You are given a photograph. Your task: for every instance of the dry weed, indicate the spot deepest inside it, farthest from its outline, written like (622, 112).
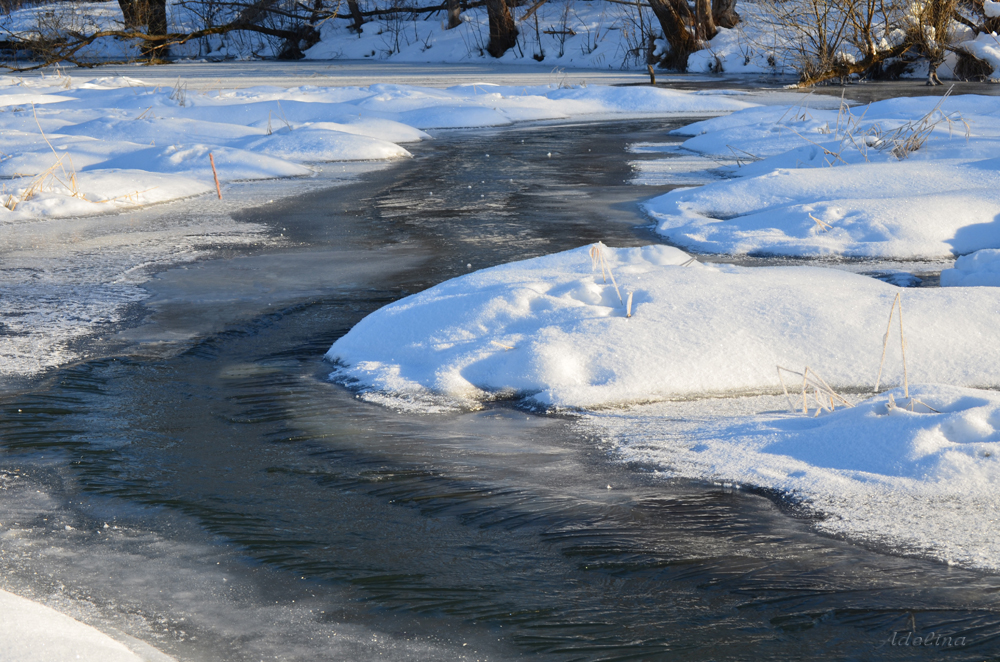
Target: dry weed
(597, 258)
(813, 386)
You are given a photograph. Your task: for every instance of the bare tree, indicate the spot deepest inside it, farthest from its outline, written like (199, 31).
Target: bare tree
(454, 14)
(687, 29)
(503, 30)
(931, 33)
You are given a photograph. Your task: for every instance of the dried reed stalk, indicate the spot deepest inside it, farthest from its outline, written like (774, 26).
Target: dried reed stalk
(823, 225)
(218, 189)
(597, 257)
(898, 301)
(816, 386)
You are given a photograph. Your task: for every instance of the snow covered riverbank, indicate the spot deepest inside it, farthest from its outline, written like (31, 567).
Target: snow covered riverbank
(111, 147)
(31, 632)
(900, 179)
(75, 149)
(560, 331)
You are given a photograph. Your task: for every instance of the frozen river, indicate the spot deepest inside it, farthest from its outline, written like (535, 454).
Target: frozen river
(193, 481)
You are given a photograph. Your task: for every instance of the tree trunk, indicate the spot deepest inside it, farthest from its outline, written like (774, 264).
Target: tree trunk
(503, 31)
(131, 14)
(359, 20)
(157, 18)
(454, 14)
(704, 23)
(675, 17)
(724, 13)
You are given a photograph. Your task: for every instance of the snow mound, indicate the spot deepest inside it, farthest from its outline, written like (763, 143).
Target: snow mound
(118, 125)
(551, 329)
(31, 632)
(822, 182)
(979, 268)
(920, 482)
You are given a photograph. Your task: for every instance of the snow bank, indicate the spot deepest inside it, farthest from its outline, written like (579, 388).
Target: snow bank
(914, 482)
(551, 329)
(979, 268)
(31, 632)
(114, 143)
(821, 182)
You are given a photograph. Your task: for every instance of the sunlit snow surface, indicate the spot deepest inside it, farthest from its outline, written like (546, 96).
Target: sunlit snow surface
(552, 331)
(900, 179)
(917, 482)
(32, 632)
(111, 147)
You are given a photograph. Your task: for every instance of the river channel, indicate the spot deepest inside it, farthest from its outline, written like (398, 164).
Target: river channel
(201, 486)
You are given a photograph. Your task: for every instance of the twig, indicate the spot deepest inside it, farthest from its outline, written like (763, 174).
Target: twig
(822, 224)
(597, 257)
(218, 189)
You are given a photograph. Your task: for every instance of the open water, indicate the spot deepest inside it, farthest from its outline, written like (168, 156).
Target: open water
(202, 487)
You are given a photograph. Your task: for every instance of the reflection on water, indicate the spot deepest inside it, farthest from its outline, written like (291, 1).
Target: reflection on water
(255, 510)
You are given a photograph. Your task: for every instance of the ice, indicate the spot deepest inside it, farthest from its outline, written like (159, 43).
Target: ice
(915, 482)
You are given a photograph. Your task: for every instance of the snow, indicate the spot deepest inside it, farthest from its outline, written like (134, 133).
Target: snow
(979, 268)
(917, 483)
(568, 36)
(107, 144)
(840, 183)
(552, 330)
(32, 632)
(689, 386)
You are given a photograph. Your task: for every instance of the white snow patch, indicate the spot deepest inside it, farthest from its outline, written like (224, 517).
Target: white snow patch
(830, 183)
(31, 632)
(913, 482)
(551, 328)
(979, 268)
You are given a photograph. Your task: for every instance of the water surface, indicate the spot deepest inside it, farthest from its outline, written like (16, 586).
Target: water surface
(254, 510)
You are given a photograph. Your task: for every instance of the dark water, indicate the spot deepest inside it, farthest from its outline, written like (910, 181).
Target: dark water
(257, 511)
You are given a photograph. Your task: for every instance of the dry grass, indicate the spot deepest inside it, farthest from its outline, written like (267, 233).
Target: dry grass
(597, 258)
(813, 387)
(179, 93)
(823, 225)
(896, 303)
(913, 135)
(815, 390)
(855, 134)
(50, 177)
(910, 404)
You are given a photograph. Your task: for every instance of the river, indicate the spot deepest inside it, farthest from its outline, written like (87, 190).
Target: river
(199, 485)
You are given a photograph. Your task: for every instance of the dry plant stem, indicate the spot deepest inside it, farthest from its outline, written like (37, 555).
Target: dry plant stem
(218, 189)
(628, 306)
(811, 380)
(70, 176)
(902, 347)
(825, 227)
(788, 397)
(597, 257)
(898, 301)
